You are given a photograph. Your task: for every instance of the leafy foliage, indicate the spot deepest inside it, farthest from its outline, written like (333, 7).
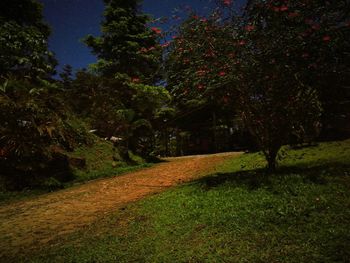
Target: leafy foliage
(126, 45)
(119, 107)
(35, 124)
(33, 121)
(23, 40)
(122, 102)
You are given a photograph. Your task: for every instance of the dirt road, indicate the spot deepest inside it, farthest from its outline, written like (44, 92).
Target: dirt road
(35, 222)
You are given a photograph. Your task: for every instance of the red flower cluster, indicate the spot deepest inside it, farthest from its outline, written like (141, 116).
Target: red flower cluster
(316, 26)
(282, 8)
(166, 44)
(227, 2)
(156, 30)
(249, 28)
(242, 42)
(200, 87)
(135, 80)
(210, 54)
(202, 72)
(326, 38)
(293, 14)
(145, 50)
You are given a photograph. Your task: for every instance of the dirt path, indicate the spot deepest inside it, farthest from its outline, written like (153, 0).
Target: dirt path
(37, 221)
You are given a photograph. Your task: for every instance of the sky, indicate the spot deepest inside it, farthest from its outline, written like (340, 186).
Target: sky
(72, 20)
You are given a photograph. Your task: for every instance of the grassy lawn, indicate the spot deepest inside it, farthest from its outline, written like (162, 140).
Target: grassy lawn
(300, 214)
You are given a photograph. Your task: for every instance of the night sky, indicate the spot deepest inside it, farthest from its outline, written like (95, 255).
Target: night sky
(71, 20)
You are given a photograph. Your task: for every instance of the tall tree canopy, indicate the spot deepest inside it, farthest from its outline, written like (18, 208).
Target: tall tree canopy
(23, 39)
(126, 45)
(124, 102)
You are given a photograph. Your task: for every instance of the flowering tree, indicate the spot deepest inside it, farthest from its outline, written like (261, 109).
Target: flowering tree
(287, 47)
(270, 61)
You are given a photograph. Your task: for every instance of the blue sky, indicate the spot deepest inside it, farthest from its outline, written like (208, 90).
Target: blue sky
(71, 20)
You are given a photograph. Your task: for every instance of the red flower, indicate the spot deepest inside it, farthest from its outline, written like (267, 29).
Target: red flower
(250, 28)
(280, 9)
(309, 21)
(225, 99)
(222, 73)
(283, 8)
(156, 30)
(135, 79)
(201, 72)
(166, 44)
(316, 27)
(143, 50)
(242, 42)
(227, 2)
(210, 54)
(293, 14)
(2, 153)
(326, 38)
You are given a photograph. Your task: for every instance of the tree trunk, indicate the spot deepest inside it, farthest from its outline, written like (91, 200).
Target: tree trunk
(214, 133)
(271, 160)
(271, 165)
(178, 143)
(166, 137)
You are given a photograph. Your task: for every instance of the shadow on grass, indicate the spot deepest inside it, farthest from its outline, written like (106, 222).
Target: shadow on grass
(256, 178)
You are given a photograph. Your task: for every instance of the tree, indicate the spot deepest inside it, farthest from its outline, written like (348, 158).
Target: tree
(272, 61)
(127, 45)
(120, 107)
(196, 69)
(23, 40)
(34, 121)
(124, 103)
(66, 75)
(286, 48)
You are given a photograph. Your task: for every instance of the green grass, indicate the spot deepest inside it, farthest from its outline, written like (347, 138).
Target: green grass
(100, 163)
(299, 214)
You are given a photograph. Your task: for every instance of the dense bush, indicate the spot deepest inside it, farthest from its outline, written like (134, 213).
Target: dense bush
(32, 124)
